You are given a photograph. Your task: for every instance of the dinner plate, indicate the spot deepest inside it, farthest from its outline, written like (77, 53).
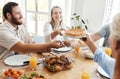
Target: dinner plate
(87, 52)
(16, 60)
(102, 72)
(63, 49)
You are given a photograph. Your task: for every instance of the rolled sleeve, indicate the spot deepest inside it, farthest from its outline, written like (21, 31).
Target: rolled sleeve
(105, 61)
(7, 39)
(103, 31)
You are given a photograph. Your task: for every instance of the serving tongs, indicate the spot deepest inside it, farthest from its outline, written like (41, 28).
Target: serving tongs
(53, 54)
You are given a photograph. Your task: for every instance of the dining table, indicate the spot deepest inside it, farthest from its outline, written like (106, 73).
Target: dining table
(79, 64)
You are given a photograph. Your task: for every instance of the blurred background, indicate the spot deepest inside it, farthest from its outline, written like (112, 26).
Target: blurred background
(37, 12)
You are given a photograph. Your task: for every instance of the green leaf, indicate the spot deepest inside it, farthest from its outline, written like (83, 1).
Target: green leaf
(77, 17)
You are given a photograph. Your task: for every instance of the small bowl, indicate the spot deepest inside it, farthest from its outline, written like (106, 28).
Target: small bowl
(11, 73)
(34, 74)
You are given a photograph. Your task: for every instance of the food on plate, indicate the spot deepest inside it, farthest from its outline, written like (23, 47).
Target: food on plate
(56, 63)
(12, 73)
(33, 75)
(75, 32)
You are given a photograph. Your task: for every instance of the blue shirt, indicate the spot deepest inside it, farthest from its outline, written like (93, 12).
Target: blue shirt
(105, 61)
(105, 32)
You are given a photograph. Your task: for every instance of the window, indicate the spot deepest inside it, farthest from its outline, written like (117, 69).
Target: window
(37, 12)
(107, 13)
(1, 6)
(112, 7)
(37, 15)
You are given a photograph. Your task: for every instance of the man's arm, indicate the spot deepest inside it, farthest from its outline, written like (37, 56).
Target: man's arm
(90, 43)
(101, 33)
(95, 36)
(27, 48)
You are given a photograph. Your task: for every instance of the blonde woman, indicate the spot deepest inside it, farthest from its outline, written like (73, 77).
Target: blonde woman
(53, 28)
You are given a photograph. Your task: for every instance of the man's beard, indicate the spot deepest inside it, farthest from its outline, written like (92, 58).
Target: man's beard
(15, 21)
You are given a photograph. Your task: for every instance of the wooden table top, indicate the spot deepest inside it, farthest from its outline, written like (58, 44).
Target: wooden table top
(81, 64)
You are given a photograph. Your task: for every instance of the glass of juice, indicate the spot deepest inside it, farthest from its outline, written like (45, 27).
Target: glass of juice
(77, 48)
(108, 51)
(33, 62)
(85, 75)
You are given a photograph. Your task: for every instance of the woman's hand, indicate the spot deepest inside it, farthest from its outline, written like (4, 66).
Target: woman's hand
(67, 43)
(59, 31)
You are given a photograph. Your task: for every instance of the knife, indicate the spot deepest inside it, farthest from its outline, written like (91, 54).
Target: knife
(39, 61)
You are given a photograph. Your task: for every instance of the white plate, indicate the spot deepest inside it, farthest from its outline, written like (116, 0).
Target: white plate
(16, 60)
(63, 49)
(102, 72)
(87, 52)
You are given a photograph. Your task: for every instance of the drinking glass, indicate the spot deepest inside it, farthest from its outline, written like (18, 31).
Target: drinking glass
(85, 75)
(33, 62)
(108, 51)
(77, 48)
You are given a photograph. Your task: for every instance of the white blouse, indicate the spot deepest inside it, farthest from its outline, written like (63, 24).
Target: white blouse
(48, 30)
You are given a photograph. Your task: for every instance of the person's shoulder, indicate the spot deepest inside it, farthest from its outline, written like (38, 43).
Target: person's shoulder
(47, 24)
(2, 26)
(107, 25)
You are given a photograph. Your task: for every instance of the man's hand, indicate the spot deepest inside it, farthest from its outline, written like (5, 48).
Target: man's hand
(89, 42)
(86, 39)
(56, 44)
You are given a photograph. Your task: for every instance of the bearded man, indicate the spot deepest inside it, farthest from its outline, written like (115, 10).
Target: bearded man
(14, 36)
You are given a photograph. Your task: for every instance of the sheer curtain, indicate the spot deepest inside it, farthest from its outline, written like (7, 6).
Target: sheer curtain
(112, 7)
(108, 10)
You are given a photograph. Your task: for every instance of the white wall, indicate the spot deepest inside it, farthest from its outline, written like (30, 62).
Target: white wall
(93, 10)
(77, 6)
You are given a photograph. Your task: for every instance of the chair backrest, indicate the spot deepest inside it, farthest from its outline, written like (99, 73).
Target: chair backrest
(39, 39)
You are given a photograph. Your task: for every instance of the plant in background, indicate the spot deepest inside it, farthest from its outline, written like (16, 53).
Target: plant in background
(78, 22)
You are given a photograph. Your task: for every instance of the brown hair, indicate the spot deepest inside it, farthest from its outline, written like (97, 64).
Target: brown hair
(52, 21)
(8, 8)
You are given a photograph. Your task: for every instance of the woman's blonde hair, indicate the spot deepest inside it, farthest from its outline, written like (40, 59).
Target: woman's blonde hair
(115, 27)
